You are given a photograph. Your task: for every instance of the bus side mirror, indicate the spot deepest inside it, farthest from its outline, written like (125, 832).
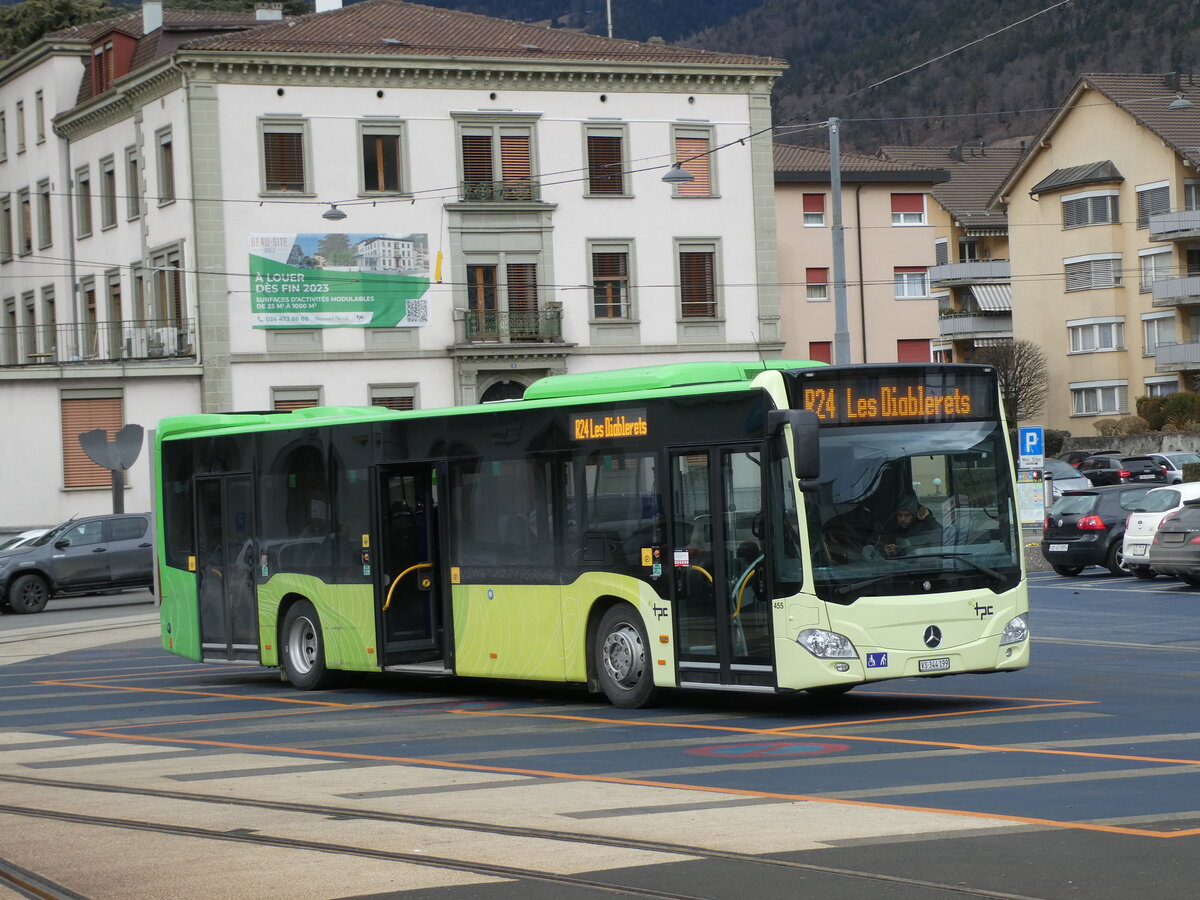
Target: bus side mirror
(806, 454)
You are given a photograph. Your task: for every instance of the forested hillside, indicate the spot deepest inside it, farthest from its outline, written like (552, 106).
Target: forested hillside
(1000, 87)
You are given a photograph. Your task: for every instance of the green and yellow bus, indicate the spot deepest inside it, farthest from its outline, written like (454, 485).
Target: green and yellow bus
(720, 526)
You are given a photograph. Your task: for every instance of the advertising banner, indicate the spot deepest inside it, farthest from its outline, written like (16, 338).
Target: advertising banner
(339, 280)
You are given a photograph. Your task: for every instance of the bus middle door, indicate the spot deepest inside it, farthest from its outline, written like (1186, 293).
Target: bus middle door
(412, 625)
(721, 610)
(225, 558)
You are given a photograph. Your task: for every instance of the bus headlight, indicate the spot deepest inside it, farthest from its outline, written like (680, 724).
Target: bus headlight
(1015, 631)
(826, 644)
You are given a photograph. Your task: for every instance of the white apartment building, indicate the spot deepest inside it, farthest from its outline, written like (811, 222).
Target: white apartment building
(182, 195)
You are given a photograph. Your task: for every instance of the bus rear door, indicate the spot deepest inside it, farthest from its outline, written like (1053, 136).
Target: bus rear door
(410, 606)
(722, 614)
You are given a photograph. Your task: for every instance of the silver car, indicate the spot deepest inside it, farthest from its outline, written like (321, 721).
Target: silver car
(1174, 463)
(1065, 477)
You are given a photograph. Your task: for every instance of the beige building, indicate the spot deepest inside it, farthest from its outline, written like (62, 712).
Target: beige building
(1104, 229)
(971, 273)
(889, 221)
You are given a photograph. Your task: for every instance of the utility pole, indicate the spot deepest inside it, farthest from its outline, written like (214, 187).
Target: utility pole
(841, 334)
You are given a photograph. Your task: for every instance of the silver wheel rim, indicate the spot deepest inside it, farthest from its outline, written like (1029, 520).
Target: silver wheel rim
(624, 656)
(303, 645)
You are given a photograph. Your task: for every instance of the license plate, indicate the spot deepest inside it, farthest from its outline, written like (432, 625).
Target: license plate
(941, 664)
(1138, 550)
(1058, 548)
(1147, 477)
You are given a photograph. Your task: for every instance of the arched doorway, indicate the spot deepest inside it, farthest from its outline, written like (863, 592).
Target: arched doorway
(503, 390)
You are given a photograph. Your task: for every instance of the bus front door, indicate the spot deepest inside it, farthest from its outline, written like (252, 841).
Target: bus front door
(225, 568)
(410, 606)
(722, 613)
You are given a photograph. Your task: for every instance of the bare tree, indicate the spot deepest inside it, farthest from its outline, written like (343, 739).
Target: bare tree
(1021, 368)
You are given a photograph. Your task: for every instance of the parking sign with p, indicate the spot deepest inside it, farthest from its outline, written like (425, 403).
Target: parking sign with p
(1030, 447)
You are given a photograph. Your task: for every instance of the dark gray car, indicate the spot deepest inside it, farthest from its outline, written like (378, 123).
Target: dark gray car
(85, 555)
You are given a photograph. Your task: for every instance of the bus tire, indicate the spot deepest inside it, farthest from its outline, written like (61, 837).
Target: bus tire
(623, 658)
(28, 594)
(302, 647)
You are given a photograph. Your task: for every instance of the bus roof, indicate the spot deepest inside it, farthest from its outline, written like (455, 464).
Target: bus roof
(668, 379)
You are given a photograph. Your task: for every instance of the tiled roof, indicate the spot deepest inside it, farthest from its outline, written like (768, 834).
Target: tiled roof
(793, 163)
(975, 174)
(173, 20)
(397, 28)
(1147, 98)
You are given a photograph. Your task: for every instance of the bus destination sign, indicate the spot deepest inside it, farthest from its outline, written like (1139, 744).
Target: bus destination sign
(597, 426)
(849, 398)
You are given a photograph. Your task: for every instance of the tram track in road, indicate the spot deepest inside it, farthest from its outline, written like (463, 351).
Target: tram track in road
(30, 884)
(494, 870)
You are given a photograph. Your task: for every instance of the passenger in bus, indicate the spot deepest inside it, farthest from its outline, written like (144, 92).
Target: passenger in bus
(912, 525)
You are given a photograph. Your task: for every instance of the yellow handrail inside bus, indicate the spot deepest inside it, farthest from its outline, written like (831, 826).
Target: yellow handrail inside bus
(703, 572)
(396, 581)
(745, 584)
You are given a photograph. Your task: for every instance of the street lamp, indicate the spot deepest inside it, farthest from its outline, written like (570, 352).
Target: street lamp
(678, 175)
(333, 214)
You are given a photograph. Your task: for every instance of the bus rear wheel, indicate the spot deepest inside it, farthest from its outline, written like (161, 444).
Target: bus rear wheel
(622, 658)
(302, 646)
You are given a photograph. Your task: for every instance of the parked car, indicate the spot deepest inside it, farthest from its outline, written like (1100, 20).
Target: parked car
(1075, 457)
(1143, 522)
(1064, 477)
(1173, 463)
(1176, 547)
(81, 556)
(1086, 528)
(1101, 470)
(23, 538)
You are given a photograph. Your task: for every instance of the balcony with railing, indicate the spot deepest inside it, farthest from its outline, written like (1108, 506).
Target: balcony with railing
(1176, 225)
(499, 191)
(1177, 357)
(962, 325)
(1179, 290)
(96, 342)
(536, 326)
(973, 271)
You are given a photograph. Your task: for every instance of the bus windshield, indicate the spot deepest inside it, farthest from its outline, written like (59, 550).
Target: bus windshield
(913, 509)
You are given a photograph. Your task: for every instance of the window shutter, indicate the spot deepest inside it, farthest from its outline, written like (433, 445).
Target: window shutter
(604, 164)
(1151, 203)
(26, 227)
(477, 158)
(522, 287)
(814, 203)
(283, 156)
(908, 203)
(393, 402)
(516, 168)
(816, 276)
(941, 252)
(610, 276)
(1079, 276)
(692, 155)
(78, 416)
(1074, 213)
(820, 351)
(912, 350)
(697, 288)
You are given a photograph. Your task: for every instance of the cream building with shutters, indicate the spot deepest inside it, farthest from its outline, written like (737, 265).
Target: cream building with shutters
(384, 204)
(1104, 231)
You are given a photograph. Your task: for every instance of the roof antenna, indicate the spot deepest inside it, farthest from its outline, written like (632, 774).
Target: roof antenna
(757, 346)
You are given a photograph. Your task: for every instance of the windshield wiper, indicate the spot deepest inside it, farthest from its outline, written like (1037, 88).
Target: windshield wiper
(844, 589)
(986, 570)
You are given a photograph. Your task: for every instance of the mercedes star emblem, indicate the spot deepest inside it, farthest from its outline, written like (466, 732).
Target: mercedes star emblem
(933, 636)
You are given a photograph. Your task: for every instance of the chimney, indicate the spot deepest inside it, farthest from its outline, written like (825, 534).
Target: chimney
(328, 5)
(152, 16)
(268, 12)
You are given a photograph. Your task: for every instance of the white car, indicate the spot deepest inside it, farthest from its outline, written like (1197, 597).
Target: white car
(20, 540)
(1174, 463)
(1143, 523)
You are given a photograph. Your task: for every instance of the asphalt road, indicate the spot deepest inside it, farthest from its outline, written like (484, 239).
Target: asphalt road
(127, 773)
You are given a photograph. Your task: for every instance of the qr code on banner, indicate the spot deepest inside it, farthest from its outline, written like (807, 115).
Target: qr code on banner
(418, 312)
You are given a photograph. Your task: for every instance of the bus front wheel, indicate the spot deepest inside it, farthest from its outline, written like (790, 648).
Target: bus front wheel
(622, 658)
(303, 648)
